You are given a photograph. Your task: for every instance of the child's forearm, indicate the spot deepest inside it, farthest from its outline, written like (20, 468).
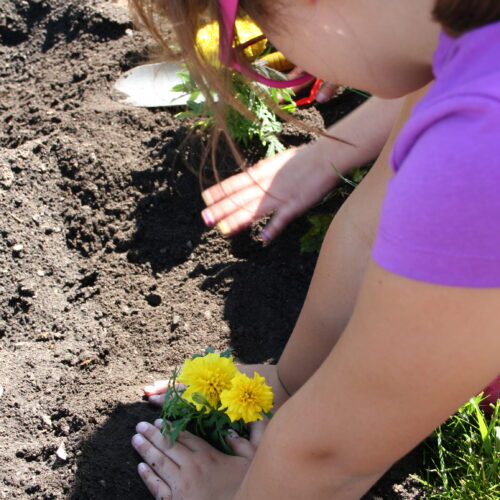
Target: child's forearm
(384, 387)
(347, 245)
(367, 128)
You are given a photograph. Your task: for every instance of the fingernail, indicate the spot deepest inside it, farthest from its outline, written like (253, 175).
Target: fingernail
(155, 398)
(232, 434)
(149, 388)
(265, 236)
(206, 198)
(207, 218)
(137, 440)
(224, 228)
(141, 427)
(142, 467)
(158, 422)
(321, 97)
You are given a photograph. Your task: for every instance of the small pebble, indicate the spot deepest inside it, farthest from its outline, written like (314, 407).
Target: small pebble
(26, 289)
(61, 452)
(46, 420)
(18, 248)
(6, 177)
(176, 319)
(1, 390)
(40, 272)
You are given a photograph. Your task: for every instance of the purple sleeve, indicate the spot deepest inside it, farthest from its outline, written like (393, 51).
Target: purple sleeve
(440, 221)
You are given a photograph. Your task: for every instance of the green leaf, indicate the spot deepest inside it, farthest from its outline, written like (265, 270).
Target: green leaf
(483, 427)
(180, 87)
(200, 399)
(185, 114)
(345, 179)
(312, 240)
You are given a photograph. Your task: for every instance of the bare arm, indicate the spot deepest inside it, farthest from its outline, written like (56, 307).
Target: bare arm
(367, 128)
(410, 356)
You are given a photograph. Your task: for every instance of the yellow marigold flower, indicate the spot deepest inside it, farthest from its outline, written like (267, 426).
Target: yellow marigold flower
(207, 39)
(247, 398)
(207, 375)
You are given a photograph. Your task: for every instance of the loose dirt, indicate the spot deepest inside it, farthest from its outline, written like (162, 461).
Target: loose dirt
(108, 276)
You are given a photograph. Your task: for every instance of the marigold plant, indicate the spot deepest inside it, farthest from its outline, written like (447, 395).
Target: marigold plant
(208, 376)
(247, 398)
(214, 397)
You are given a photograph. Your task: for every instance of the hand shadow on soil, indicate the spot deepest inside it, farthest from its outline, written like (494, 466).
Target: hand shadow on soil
(263, 291)
(107, 466)
(168, 225)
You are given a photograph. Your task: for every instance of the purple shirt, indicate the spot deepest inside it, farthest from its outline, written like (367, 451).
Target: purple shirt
(440, 221)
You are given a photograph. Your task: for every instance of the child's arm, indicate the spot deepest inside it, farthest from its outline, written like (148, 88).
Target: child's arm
(412, 354)
(293, 181)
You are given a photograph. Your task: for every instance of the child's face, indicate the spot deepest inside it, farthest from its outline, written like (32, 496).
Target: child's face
(384, 47)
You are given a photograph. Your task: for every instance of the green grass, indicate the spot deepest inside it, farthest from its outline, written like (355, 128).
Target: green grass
(464, 461)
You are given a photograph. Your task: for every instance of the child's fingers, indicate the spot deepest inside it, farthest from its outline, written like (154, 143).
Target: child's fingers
(257, 431)
(326, 92)
(156, 449)
(228, 187)
(157, 399)
(239, 220)
(156, 486)
(279, 221)
(240, 446)
(156, 392)
(243, 217)
(252, 199)
(158, 387)
(187, 439)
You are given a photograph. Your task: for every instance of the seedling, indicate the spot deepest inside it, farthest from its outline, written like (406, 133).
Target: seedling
(265, 128)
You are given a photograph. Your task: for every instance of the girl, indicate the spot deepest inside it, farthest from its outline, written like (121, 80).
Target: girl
(398, 328)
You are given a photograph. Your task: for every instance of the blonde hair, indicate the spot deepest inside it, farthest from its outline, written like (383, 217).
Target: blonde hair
(183, 19)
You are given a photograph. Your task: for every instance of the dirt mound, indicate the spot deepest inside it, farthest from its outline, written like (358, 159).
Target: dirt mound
(109, 277)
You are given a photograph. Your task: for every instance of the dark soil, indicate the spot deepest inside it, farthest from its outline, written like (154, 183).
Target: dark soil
(108, 276)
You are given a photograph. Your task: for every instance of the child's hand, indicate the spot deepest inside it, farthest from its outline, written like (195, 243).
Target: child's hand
(288, 183)
(191, 468)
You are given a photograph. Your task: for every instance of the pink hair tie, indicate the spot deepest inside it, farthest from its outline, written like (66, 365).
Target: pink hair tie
(229, 12)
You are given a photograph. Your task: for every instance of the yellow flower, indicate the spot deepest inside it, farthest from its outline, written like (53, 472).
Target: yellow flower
(207, 375)
(247, 398)
(207, 40)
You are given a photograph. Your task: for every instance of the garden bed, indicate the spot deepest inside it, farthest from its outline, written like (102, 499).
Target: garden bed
(108, 276)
